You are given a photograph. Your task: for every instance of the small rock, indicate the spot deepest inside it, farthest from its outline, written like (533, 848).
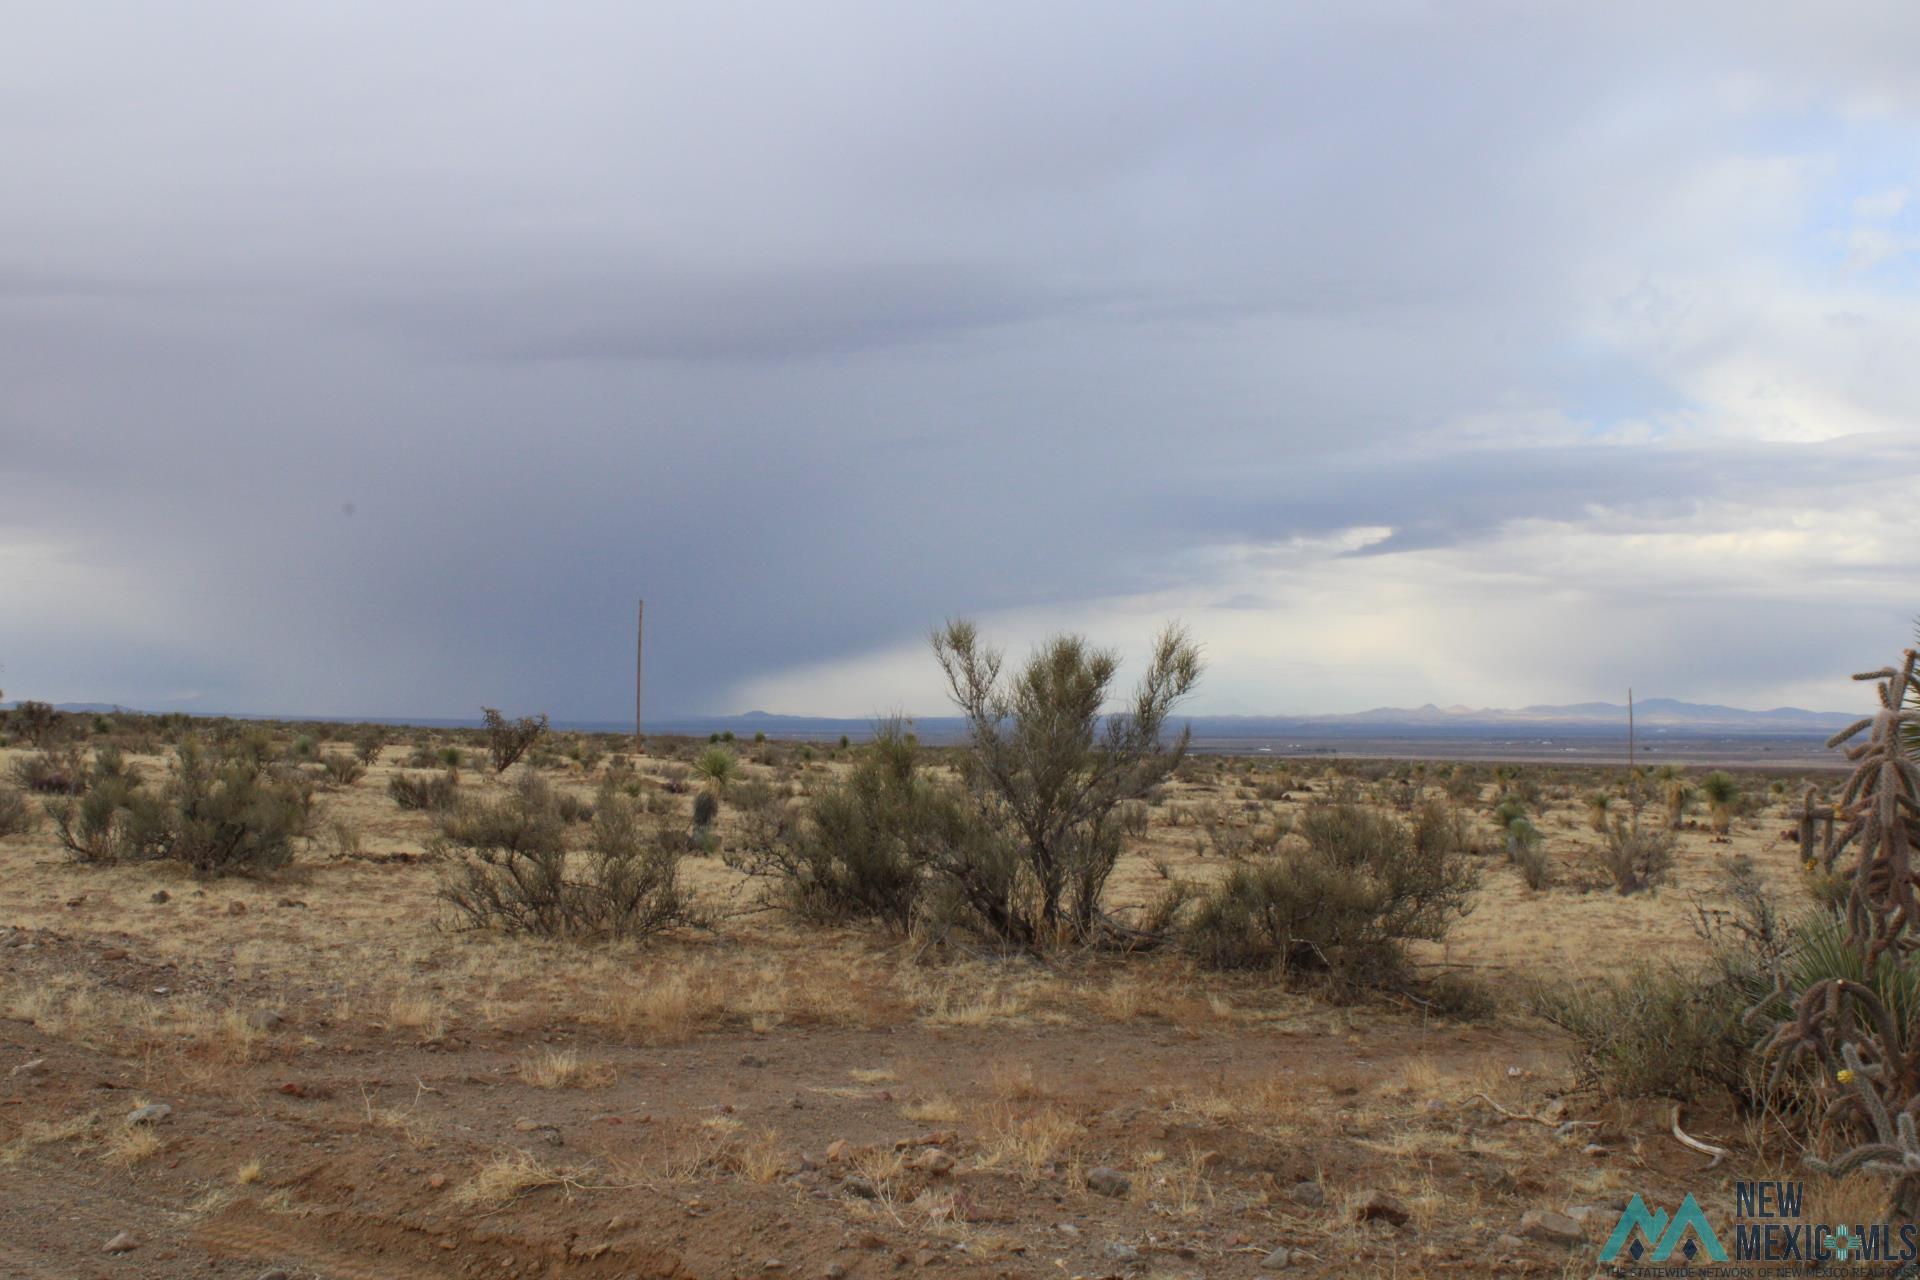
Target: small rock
(838, 1150)
(266, 1019)
(1120, 1252)
(773, 1264)
(437, 1181)
(1594, 1149)
(1310, 1194)
(122, 1243)
(1550, 1227)
(1511, 1243)
(934, 1161)
(1585, 1213)
(861, 1187)
(1378, 1206)
(236, 908)
(278, 1273)
(30, 1068)
(748, 1060)
(1279, 1260)
(160, 895)
(1108, 1182)
(1067, 1229)
(152, 1113)
(835, 1270)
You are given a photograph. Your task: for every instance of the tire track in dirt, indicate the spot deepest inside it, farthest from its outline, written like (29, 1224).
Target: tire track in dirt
(244, 1232)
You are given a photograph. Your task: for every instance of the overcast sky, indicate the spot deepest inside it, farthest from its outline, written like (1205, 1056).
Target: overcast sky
(372, 358)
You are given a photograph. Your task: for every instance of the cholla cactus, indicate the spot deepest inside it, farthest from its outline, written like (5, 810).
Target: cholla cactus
(1880, 810)
(1816, 831)
(1897, 1153)
(1866, 1053)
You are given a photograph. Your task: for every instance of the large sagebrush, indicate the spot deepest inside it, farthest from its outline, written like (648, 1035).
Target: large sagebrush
(864, 847)
(218, 812)
(1346, 900)
(516, 868)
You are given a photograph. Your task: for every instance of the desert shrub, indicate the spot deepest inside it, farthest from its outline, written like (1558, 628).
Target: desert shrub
(50, 773)
(516, 872)
(1636, 857)
(219, 814)
(304, 747)
(1658, 1030)
(36, 722)
(508, 740)
(863, 848)
(1046, 771)
(1459, 996)
(450, 756)
(1364, 884)
(572, 808)
(228, 816)
(368, 745)
(433, 792)
(706, 807)
(1222, 837)
(341, 769)
(18, 817)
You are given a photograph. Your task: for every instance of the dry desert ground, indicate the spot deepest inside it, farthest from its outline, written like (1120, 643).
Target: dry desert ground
(354, 1089)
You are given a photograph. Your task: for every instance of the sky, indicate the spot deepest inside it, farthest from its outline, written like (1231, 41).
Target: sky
(362, 358)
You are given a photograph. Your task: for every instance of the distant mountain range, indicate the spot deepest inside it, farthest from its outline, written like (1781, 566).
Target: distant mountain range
(1653, 717)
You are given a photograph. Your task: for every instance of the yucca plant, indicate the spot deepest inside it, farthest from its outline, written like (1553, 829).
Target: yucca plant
(1679, 794)
(1599, 810)
(718, 766)
(1722, 793)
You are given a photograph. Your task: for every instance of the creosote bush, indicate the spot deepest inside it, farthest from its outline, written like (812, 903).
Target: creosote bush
(517, 869)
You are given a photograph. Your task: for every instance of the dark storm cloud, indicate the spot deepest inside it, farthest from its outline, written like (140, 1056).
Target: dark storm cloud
(817, 323)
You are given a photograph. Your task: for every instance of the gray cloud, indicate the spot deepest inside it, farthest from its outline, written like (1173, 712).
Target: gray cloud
(817, 323)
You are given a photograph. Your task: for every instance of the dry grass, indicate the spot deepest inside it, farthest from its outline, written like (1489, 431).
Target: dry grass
(937, 1109)
(128, 1145)
(505, 1178)
(419, 1012)
(564, 1069)
(1029, 1143)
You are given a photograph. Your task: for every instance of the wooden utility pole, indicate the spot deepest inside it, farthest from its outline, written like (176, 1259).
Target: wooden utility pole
(639, 672)
(1632, 780)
